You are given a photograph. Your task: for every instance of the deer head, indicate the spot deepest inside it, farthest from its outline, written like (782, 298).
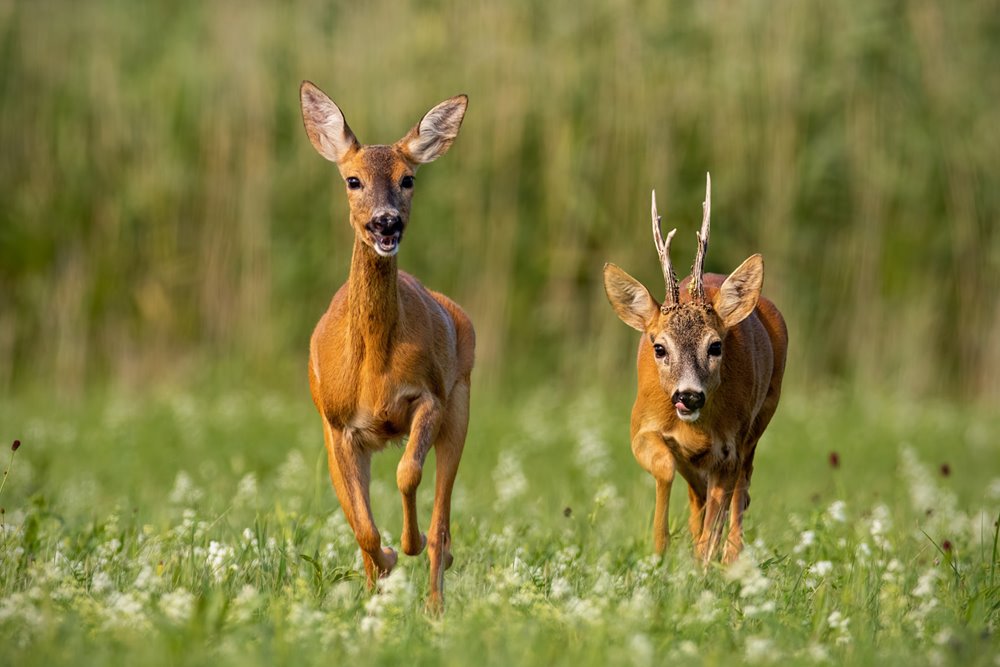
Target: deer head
(687, 338)
(379, 178)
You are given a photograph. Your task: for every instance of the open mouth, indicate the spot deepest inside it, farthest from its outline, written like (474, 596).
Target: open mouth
(685, 414)
(386, 245)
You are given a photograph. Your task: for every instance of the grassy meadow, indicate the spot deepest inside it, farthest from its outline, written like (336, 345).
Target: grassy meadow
(168, 238)
(199, 527)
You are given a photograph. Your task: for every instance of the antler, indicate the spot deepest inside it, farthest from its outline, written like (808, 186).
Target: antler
(663, 250)
(698, 270)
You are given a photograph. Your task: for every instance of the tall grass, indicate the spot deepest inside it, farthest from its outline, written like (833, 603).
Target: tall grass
(161, 204)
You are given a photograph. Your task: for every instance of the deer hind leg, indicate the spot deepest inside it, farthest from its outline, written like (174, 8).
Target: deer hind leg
(448, 454)
(424, 429)
(350, 472)
(716, 507)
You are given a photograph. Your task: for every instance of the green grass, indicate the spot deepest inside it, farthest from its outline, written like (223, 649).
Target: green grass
(197, 526)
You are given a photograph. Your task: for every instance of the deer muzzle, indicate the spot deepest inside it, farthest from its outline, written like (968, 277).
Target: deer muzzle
(386, 232)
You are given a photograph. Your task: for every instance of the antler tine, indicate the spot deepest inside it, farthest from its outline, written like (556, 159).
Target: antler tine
(698, 270)
(663, 250)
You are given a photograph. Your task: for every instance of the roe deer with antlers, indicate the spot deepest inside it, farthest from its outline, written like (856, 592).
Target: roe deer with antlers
(711, 359)
(389, 358)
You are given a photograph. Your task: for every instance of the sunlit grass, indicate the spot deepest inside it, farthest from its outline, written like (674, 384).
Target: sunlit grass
(200, 528)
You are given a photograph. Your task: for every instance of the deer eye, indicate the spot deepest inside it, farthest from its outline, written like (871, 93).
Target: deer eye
(715, 349)
(659, 351)
(407, 182)
(353, 183)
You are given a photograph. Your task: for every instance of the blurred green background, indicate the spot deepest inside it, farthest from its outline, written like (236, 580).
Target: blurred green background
(162, 212)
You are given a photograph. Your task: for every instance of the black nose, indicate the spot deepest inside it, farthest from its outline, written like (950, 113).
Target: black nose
(385, 224)
(692, 400)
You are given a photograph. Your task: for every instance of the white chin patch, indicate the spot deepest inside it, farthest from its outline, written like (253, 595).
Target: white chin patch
(688, 416)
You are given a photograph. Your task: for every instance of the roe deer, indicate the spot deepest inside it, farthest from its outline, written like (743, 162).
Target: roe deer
(389, 358)
(710, 364)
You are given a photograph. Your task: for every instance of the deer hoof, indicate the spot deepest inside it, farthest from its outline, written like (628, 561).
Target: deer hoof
(414, 548)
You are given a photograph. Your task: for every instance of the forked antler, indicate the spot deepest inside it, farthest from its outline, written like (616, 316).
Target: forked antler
(663, 250)
(698, 270)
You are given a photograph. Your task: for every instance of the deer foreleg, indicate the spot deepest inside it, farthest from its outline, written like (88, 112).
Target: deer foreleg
(350, 471)
(652, 454)
(425, 423)
(740, 502)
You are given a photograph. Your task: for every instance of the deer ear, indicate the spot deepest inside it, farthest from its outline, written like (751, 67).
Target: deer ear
(433, 135)
(631, 301)
(325, 124)
(738, 295)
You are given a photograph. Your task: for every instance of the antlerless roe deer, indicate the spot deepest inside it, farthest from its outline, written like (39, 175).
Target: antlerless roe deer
(389, 358)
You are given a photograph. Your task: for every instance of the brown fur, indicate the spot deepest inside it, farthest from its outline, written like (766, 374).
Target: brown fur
(715, 453)
(389, 358)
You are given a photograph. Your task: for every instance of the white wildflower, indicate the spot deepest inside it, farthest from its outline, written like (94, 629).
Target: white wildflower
(100, 582)
(146, 580)
(125, 611)
(688, 648)
(640, 649)
(821, 568)
(607, 496)
(879, 526)
(185, 491)
(755, 610)
(218, 557)
(943, 637)
(584, 610)
(177, 605)
(245, 603)
(246, 491)
(706, 607)
(591, 454)
(836, 512)
(839, 624)
(817, 652)
(806, 540)
(509, 479)
(752, 580)
(759, 649)
(926, 584)
(560, 588)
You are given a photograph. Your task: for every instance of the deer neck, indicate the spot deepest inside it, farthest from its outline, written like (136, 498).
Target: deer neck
(373, 302)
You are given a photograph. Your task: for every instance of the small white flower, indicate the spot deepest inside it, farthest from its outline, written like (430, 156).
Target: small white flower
(806, 540)
(246, 491)
(560, 588)
(184, 492)
(706, 607)
(688, 648)
(509, 479)
(177, 605)
(839, 624)
(755, 610)
(836, 512)
(821, 568)
(759, 649)
(926, 584)
(100, 582)
(641, 649)
(752, 580)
